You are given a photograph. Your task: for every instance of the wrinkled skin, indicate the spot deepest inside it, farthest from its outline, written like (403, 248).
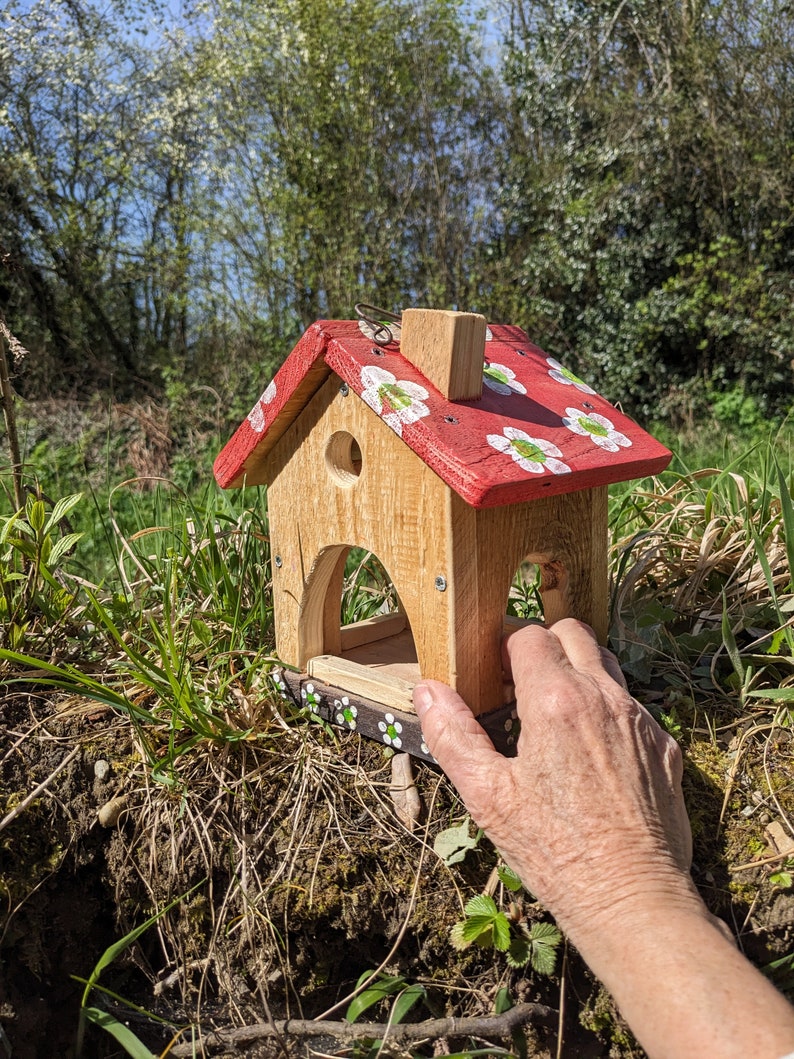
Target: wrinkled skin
(591, 817)
(592, 804)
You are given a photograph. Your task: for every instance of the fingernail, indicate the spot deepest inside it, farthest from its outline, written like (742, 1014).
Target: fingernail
(423, 700)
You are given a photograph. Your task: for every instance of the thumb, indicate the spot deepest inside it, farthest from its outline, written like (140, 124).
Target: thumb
(455, 738)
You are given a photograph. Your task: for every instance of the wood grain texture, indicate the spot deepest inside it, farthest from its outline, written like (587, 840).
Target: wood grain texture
(370, 630)
(448, 348)
(358, 679)
(386, 509)
(566, 536)
(457, 629)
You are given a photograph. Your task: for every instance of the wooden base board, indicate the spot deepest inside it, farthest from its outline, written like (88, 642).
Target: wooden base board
(385, 724)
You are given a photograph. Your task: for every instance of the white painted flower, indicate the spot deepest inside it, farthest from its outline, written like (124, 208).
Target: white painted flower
(391, 731)
(502, 379)
(426, 750)
(280, 684)
(256, 417)
(311, 698)
(597, 427)
(345, 713)
(533, 455)
(396, 402)
(566, 377)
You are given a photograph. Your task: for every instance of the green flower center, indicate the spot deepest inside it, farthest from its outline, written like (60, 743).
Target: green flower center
(528, 451)
(347, 713)
(394, 396)
(498, 376)
(569, 375)
(594, 428)
(391, 731)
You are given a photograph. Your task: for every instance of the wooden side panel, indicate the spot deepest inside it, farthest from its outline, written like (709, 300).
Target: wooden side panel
(388, 502)
(448, 348)
(565, 535)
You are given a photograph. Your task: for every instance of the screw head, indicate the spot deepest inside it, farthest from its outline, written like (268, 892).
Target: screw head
(344, 389)
(441, 583)
(278, 561)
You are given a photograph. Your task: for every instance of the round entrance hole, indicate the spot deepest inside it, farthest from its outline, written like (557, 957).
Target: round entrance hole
(343, 458)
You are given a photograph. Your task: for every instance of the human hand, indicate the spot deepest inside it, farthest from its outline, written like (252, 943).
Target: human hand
(590, 812)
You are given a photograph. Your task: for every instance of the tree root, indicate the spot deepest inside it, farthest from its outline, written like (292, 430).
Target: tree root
(485, 1026)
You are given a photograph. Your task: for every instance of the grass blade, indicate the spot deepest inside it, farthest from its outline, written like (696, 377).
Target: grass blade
(131, 1044)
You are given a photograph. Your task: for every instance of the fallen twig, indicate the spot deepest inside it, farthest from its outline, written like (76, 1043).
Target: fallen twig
(37, 790)
(485, 1026)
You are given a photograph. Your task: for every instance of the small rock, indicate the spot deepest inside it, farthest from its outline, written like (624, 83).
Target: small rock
(748, 810)
(404, 794)
(101, 769)
(780, 838)
(110, 812)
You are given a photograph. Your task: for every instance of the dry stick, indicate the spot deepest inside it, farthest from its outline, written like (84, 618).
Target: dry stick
(760, 863)
(11, 424)
(37, 790)
(563, 987)
(479, 1026)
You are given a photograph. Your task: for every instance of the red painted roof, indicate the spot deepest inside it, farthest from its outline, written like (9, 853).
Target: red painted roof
(536, 431)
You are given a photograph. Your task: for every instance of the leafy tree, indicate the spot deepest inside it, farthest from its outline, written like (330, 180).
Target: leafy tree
(653, 139)
(99, 139)
(359, 167)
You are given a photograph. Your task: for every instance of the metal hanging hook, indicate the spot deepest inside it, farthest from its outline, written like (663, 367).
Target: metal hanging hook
(381, 332)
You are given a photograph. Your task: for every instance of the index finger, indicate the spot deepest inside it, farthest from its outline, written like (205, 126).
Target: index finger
(532, 653)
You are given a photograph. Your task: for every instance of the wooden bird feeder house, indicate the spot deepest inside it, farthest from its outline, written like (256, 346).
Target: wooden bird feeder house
(454, 453)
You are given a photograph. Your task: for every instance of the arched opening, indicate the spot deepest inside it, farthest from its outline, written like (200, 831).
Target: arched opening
(524, 599)
(374, 628)
(355, 632)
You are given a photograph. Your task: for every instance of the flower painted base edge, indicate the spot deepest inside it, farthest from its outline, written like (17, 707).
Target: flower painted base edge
(385, 724)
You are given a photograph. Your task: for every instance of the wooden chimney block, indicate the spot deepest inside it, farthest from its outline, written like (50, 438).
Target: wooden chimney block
(448, 348)
(453, 454)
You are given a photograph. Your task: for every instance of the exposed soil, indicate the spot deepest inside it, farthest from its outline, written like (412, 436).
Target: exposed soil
(299, 877)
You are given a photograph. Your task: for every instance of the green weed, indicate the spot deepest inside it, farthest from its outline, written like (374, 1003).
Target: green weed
(36, 601)
(181, 642)
(131, 1044)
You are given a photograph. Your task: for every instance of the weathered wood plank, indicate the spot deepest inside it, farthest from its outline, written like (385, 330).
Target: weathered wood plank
(358, 633)
(375, 684)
